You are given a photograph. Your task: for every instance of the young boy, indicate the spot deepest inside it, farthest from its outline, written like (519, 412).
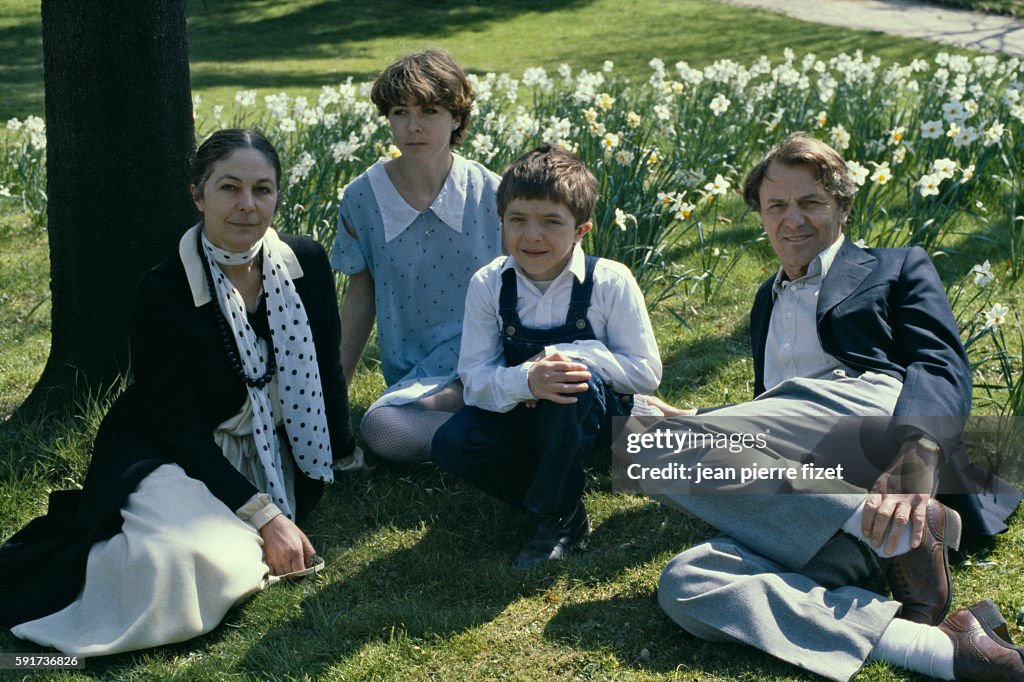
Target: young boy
(554, 344)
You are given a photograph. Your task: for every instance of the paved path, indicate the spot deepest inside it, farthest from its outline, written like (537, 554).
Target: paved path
(909, 19)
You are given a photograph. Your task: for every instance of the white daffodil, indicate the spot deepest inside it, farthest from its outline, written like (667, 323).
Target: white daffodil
(882, 174)
(301, 169)
(983, 274)
(622, 219)
(944, 168)
(931, 130)
(35, 124)
(995, 315)
(965, 136)
(483, 146)
(719, 104)
(345, 150)
(928, 185)
(840, 137)
(245, 98)
(953, 111)
(683, 210)
(993, 133)
(719, 187)
(858, 173)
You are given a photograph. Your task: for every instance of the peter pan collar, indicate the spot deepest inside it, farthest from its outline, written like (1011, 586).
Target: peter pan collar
(396, 215)
(189, 255)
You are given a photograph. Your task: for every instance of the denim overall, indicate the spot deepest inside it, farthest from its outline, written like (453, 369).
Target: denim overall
(533, 457)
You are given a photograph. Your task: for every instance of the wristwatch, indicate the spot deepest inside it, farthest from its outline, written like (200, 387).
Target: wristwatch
(928, 444)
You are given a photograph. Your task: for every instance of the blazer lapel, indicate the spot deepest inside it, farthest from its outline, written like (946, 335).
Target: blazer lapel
(850, 268)
(760, 316)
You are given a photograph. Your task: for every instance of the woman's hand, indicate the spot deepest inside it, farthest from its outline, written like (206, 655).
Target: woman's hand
(285, 547)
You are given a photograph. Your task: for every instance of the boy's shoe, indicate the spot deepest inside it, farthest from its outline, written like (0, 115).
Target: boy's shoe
(554, 538)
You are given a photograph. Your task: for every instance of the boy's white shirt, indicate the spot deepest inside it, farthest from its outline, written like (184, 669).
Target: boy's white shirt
(624, 352)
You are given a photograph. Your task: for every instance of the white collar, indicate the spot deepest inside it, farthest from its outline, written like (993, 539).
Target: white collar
(449, 204)
(189, 256)
(577, 265)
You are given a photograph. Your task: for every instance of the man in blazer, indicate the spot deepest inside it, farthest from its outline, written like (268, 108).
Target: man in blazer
(840, 333)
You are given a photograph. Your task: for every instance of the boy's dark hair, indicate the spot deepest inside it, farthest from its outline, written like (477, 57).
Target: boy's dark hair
(426, 78)
(800, 149)
(553, 173)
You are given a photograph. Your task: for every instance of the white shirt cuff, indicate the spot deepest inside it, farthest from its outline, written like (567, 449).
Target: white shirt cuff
(521, 390)
(259, 510)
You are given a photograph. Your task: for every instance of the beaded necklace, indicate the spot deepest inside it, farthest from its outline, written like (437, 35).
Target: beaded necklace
(225, 333)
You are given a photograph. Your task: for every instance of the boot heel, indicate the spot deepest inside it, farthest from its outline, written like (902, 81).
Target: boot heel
(989, 616)
(953, 530)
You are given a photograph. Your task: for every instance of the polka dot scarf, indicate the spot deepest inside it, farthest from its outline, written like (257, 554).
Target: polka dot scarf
(300, 396)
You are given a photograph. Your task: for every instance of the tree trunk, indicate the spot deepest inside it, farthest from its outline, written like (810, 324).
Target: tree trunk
(120, 136)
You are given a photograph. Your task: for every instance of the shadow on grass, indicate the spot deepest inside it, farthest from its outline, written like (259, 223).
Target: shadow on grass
(637, 633)
(229, 30)
(223, 33)
(21, 70)
(704, 360)
(422, 557)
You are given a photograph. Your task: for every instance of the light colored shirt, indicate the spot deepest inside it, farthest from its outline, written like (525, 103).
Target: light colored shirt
(624, 351)
(421, 264)
(792, 348)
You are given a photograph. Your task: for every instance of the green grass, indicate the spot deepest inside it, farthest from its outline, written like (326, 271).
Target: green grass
(418, 585)
(302, 44)
(24, 308)
(1010, 7)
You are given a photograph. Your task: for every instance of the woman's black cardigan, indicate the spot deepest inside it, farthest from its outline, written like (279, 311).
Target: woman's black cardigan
(183, 388)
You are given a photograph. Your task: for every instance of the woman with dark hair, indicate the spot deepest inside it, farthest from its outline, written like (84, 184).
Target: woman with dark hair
(203, 467)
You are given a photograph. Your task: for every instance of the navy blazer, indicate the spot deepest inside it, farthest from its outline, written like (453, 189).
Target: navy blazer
(886, 311)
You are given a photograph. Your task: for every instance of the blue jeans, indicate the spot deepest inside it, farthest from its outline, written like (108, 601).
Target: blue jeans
(531, 457)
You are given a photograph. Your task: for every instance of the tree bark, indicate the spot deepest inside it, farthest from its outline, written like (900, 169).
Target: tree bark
(120, 136)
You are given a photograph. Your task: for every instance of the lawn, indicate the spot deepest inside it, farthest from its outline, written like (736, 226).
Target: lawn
(302, 44)
(1009, 7)
(417, 584)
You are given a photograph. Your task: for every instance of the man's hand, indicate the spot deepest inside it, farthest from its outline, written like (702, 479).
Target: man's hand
(285, 547)
(900, 497)
(556, 378)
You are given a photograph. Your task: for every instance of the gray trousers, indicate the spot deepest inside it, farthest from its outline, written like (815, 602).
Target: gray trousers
(781, 576)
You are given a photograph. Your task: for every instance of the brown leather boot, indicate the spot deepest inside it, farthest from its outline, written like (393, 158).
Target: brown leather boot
(978, 653)
(920, 579)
